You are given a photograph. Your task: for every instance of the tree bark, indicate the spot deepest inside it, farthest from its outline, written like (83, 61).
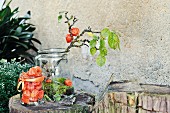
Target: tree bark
(150, 99)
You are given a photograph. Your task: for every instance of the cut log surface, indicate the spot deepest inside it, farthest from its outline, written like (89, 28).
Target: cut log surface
(135, 98)
(47, 107)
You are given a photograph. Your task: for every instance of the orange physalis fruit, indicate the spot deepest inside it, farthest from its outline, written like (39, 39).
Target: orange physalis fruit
(32, 72)
(33, 99)
(34, 93)
(36, 83)
(24, 75)
(39, 71)
(25, 85)
(75, 31)
(38, 87)
(30, 87)
(68, 82)
(26, 93)
(40, 94)
(48, 81)
(25, 99)
(35, 71)
(69, 38)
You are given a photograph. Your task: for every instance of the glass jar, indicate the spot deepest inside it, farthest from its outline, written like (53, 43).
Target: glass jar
(30, 86)
(53, 63)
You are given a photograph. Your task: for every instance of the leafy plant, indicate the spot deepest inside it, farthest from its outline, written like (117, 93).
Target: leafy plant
(9, 74)
(56, 89)
(16, 36)
(98, 38)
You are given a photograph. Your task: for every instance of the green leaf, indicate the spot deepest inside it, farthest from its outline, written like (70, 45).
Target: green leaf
(61, 80)
(95, 37)
(36, 40)
(93, 43)
(93, 50)
(105, 32)
(103, 51)
(15, 10)
(59, 18)
(102, 43)
(57, 97)
(101, 60)
(27, 36)
(113, 41)
(21, 44)
(18, 30)
(90, 34)
(5, 13)
(102, 48)
(26, 54)
(47, 98)
(117, 41)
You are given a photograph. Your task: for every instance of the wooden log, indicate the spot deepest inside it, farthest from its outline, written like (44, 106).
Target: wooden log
(168, 104)
(149, 103)
(123, 97)
(163, 105)
(117, 108)
(131, 110)
(131, 100)
(16, 107)
(106, 104)
(140, 101)
(146, 101)
(156, 103)
(124, 109)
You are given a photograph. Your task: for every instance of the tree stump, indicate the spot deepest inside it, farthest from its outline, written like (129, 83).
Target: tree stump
(83, 105)
(134, 98)
(120, 98)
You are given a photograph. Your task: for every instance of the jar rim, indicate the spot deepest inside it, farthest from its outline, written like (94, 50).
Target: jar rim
(52, 51)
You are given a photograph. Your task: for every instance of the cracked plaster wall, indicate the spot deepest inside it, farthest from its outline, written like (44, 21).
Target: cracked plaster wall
(145, 42)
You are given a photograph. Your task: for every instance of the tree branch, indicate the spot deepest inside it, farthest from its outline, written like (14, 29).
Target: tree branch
(88, 30)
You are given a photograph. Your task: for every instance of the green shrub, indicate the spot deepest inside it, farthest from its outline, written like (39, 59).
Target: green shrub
(9, 74)
(16, 35)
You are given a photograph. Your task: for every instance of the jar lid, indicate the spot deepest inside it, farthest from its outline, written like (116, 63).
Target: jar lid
(52, 51)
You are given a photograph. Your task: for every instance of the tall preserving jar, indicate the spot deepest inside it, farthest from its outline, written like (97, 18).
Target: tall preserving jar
(53, 63)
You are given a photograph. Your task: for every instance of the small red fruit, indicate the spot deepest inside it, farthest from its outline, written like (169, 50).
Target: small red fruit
(40, 94)
(32, 72)
(36, 83)
(30, 87)
(48, 81)
(25, 99)
(38, 87)
(68, 82)
(26, 93)
(34, 93)
(25, 86)
(33, 99)
(75, 31)
(69, 38)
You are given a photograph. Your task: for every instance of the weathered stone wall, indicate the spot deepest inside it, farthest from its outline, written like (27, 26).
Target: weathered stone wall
(143, 24)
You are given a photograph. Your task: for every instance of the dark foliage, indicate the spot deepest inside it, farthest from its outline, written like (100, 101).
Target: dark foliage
(9, 74)
(16, 35)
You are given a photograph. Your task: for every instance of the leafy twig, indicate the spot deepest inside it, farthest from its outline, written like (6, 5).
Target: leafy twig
(110, 35)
